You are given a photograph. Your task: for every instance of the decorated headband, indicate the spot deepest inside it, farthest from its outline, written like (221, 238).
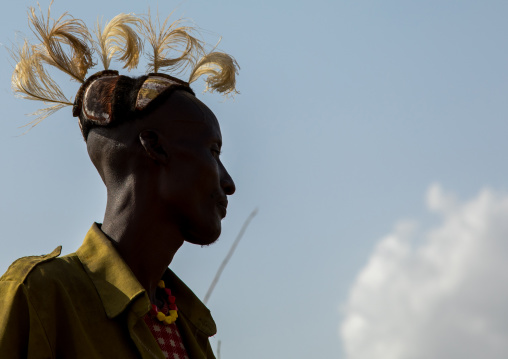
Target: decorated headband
(107, 98)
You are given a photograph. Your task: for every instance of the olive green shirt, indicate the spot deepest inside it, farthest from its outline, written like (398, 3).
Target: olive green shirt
(89, 305)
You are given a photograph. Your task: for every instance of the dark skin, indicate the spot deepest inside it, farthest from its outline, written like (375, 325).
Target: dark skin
(165, 184)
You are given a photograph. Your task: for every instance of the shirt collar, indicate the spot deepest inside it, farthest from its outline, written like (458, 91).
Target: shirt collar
(118, 287)
(189, 305)
(116, 284)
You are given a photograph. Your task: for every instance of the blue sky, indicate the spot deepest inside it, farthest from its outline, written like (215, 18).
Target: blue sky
(349, 113)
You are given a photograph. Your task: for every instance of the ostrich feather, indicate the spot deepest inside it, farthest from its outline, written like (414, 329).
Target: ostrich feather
(69, 32)
(31, 81)
(168, 39)
(119, 37)
(221, 69)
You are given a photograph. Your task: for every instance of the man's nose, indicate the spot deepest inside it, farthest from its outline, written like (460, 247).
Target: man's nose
(226, 182)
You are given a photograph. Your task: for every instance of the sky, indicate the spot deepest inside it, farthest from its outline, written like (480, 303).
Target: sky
(370, 135)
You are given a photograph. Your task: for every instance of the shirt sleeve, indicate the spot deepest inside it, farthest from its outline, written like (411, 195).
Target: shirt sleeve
(21, 332)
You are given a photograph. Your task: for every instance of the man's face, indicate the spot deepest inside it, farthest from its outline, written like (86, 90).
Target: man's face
(194, 184)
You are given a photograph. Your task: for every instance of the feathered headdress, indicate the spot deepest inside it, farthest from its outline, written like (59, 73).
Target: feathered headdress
(106, 98)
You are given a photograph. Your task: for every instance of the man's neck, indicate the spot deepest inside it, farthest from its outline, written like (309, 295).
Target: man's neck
(147, 248)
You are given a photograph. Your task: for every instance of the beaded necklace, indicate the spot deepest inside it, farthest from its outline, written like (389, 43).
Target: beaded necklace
(173, 310)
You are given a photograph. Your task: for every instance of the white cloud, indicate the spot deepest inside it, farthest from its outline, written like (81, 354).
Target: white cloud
(445, 298)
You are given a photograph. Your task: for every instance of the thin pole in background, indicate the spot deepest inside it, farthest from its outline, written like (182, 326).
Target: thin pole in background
(228, 256)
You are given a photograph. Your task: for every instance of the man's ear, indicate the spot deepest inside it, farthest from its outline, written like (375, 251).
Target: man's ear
(153, 143)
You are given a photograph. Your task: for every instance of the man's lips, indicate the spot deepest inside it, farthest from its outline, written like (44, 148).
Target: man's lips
(223, 205)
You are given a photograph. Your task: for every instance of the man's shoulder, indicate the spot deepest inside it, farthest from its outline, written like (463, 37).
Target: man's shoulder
(47, 265)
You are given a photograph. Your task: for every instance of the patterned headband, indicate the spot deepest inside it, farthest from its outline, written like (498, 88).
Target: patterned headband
(67, 44)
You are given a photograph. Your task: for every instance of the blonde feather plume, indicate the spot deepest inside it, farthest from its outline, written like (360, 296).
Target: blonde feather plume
(168, 39)
(66, 44)
(31, 81)
(66, 31)
(118, 37)
(221, 69)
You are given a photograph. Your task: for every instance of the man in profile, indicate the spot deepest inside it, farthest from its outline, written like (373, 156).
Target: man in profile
(157, 150)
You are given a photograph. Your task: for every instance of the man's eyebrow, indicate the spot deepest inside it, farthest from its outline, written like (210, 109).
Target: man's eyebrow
(217, 142)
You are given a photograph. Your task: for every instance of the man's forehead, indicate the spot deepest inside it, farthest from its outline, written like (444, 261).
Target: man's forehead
(185, 110)
(183, 106)
(190, 101)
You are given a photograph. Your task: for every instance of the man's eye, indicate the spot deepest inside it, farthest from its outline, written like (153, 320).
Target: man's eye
(216, 152)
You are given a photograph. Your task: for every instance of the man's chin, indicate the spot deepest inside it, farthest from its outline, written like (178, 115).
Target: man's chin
(203, 239)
